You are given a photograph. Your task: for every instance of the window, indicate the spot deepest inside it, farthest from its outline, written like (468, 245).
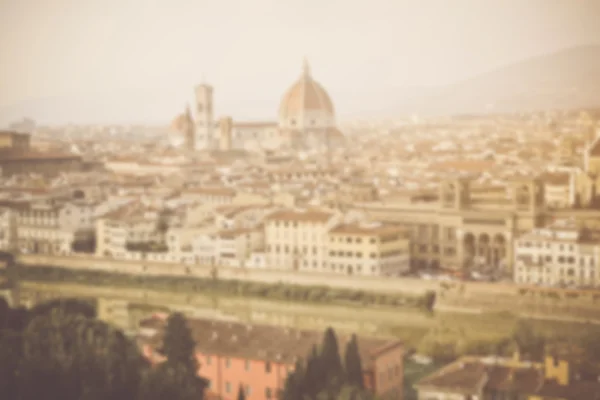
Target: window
(268, 393)
(248, 390)
(227, 363)
(208, 360)
(268, 367)
(228, 387)
(247, 365)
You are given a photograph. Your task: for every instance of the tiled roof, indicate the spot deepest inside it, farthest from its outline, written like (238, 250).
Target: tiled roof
(364, 230)
(300, 216)
(265, 342)
(457, 377)
(34, 156)
(464, 376)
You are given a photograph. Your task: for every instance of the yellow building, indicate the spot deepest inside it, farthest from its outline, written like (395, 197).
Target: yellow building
(368, 249)
(461, 226)
(297, 239)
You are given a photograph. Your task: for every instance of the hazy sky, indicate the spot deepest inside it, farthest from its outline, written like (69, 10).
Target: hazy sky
(137, 59)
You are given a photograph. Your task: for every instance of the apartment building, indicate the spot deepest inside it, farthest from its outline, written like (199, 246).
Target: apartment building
(558, 188)
(236, 245)
(259, 357)
(40, 229)
(368, 249)
(296, 239)
(126, 229)
(562, 253)
(8, 228)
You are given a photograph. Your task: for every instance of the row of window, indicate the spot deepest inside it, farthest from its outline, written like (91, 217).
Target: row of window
(568, 260)
(246, 364)
(547, 245)
(248, 390)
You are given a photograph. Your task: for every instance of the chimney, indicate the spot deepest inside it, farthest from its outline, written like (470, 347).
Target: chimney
(234, 338)
(215, 335)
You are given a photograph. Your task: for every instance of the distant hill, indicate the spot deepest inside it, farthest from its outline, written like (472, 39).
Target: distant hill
(563, 80)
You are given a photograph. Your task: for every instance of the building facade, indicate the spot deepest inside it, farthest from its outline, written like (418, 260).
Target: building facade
(17, 157)
(562, 253)
(368, 249)
(258, 358)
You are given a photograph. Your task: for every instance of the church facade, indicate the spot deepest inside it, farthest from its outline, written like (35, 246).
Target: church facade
(306, 120)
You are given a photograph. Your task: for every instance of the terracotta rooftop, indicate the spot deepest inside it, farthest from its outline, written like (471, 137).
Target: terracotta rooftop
(365, 230)
(470, 375)
(265, 342)
(557, 178)
(211, 191)
(300, 216)
(35, 156)
(463, 165)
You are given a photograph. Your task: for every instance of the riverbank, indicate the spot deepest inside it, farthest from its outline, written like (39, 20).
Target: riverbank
(279, 291)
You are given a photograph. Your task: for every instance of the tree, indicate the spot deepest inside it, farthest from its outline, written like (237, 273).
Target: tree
(73, 357)
(528, 342)
(313, 381)
(10, 356)
(179, 349)
(69, 306)
(178, 344)
(169, 381)
(293, 389)
(330, 361)
(241, 393)
(353, 364)
(429, 300)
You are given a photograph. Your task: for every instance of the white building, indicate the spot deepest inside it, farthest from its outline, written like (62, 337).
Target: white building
(297, 239)
(8, 228)
(560, 254)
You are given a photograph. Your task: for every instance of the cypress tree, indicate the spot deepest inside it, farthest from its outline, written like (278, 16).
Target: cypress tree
(353, 364)
(330, 361)
(294, 386)
(313, 376)
(241, 394)
(178, 345)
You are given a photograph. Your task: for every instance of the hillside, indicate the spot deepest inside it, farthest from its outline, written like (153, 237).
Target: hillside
(563, 80)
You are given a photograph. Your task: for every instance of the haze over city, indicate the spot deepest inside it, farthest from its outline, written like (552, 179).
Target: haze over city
(137, 60)
(300, 200)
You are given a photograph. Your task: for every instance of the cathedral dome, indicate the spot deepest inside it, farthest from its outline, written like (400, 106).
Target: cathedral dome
(179, 123)
(305, 99)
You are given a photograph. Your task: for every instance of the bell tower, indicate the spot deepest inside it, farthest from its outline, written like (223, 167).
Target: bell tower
(203, 111)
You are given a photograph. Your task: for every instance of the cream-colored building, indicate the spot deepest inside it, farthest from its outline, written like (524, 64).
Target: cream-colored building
(558, 189)
(458, 227)
(235, 246)
(40, 229)
(8, 228)
(563, 253)
(368, 249)
(297, 239)
(132, 225)
(306, 118)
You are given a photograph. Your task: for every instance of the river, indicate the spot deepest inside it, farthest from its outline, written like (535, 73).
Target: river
(125, 306)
